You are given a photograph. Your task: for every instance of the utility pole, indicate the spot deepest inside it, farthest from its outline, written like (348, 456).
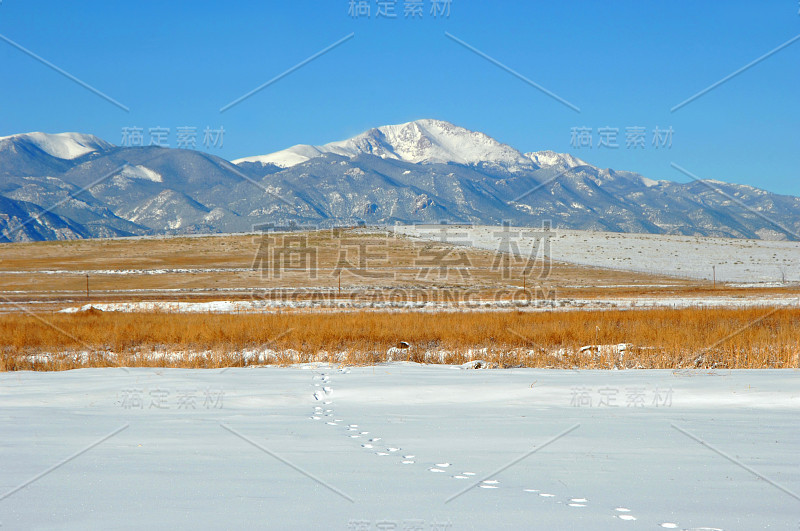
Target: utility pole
(87, 287)
(340, 284)
(714, 271)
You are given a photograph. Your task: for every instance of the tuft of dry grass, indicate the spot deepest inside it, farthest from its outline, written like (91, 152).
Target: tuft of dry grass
(654, 338)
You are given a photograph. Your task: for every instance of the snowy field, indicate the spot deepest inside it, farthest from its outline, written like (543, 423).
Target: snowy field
(476, 304)
(399, 446)
(755, 262)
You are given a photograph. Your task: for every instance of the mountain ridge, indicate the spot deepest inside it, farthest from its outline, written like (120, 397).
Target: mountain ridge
(427, 171)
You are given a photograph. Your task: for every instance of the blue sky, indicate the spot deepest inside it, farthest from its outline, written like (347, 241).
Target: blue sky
(624, 64)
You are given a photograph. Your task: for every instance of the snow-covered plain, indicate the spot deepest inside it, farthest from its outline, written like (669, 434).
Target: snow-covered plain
(403, 445)
(736, 260)
(467, 304)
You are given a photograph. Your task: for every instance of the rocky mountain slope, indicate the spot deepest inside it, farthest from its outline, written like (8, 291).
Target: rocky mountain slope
(78, 186)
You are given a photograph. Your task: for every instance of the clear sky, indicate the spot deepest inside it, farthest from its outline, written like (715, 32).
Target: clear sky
(624, 64)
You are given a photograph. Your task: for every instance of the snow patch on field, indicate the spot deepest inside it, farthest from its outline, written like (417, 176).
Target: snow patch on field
(734, 260)
(266, 305)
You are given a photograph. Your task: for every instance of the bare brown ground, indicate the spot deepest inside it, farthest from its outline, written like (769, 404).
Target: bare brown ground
(355, 260)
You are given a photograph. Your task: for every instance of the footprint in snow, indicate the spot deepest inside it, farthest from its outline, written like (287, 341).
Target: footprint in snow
(489, 484)
(577, 502)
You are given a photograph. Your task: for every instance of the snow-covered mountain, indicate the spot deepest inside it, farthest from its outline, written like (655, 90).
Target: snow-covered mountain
(76, 186)
(551, 159)
(418, 142)
(60, 145)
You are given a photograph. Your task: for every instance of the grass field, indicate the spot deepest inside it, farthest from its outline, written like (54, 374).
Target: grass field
(702, 338)
(39, 279)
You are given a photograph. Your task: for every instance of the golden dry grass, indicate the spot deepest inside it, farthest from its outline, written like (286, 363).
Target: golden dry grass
(660, 338)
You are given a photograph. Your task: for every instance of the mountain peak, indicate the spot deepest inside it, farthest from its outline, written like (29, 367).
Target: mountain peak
(66, 146)
(545, 159)
(425, 141)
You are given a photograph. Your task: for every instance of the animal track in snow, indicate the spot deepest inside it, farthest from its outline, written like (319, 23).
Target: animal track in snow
(323, 394)
(624, 515)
